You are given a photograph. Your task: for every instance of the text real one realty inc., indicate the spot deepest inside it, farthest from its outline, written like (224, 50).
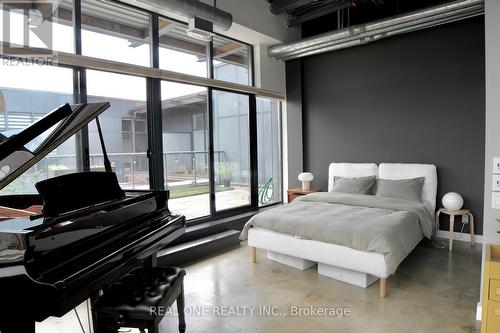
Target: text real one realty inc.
(262, 310)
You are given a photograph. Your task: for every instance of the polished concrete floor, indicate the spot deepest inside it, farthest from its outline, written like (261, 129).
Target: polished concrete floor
(433, 291)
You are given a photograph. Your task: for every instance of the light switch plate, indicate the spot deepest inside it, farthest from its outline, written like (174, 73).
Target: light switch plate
(496, 165)
(495, 202)
(496, 183)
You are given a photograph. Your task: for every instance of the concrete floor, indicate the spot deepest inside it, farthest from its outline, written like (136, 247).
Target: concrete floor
(432, 291)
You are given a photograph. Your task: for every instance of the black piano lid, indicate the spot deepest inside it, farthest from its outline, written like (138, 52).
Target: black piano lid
(64, 122)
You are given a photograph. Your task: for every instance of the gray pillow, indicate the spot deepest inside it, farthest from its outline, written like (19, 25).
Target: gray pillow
(409, 189)
(360, 185)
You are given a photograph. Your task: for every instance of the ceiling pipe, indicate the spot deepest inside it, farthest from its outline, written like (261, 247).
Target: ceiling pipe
(189, 9)
(369, 32)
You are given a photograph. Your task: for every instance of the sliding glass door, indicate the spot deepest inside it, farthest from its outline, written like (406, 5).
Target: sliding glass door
(269, 151)
(185, 148)
(231, 149)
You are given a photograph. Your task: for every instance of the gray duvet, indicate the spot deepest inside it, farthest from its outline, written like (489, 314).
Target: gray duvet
(389, 226)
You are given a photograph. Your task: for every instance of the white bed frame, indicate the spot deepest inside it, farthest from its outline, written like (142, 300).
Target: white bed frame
(340, 262)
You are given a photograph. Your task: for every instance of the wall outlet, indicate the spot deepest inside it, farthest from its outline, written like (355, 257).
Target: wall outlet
(496, 183)
(496, 165)
(465, 219)
(495, 200)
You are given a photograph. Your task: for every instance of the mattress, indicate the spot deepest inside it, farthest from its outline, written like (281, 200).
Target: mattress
(387, 226)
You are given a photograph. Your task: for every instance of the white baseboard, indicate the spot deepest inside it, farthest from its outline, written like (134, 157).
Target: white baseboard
(463, 237)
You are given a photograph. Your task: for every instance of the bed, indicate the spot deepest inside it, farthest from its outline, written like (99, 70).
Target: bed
(354, 238)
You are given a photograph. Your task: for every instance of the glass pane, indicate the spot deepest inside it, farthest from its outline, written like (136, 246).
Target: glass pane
(269, 151)
(126, 145)
(44, 24)
(231, 61)
(185, 148)
(231, 149)
(179, 52)
(115, 32)
(28, 96)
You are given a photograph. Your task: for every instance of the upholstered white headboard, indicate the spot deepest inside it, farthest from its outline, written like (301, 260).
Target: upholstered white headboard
(350, 170)
(407, 171)
(391, 171)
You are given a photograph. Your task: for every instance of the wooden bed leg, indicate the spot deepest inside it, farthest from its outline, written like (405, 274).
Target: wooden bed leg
(383, 287)
(254, 255)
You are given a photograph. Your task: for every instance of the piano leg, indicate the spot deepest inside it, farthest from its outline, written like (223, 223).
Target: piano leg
(94, 318)
(180, 310)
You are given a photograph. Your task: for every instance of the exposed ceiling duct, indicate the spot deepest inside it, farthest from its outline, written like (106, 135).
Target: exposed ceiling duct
(189, 9)
(369, 32)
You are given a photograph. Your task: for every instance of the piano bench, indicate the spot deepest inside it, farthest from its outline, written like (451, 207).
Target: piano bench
(141, 299)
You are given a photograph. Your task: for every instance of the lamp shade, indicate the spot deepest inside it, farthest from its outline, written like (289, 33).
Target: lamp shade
(3, 103)
(306, 177)
(452, 201)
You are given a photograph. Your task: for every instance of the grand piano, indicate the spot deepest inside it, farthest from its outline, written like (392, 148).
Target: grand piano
(81, 231)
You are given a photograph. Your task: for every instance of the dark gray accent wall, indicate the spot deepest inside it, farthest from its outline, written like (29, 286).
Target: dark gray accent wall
(294, 122)
(416, 98)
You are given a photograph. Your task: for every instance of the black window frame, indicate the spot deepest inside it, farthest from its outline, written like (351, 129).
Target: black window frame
(154, 115)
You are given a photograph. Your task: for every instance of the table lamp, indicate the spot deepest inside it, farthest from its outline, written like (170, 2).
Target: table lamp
(452, 201)
(306, 178)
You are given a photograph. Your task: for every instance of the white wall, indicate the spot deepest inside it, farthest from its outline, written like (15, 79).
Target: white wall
(253, 23)
(492, 140)
(492, 148)
(255, 15)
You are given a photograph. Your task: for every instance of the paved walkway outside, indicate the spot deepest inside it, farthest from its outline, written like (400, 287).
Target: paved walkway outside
(199, 205)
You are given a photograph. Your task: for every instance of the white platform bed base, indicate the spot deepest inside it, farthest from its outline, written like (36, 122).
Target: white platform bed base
(339, 262)
(336, 261)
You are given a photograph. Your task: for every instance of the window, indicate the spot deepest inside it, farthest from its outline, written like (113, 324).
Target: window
(269, 151)
(115, 32)
(185, 148)
(231, 149)
(231, 61)
(123, 126)
(118, 32)
(29, 96)
(179, 52)
(47, 25)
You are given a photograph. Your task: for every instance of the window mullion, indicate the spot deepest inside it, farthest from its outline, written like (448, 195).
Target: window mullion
(154, 114)
(80, 91)
(211, 156)
(254, 179)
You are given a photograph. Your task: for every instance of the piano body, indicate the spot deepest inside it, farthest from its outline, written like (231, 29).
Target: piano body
(78, 234)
